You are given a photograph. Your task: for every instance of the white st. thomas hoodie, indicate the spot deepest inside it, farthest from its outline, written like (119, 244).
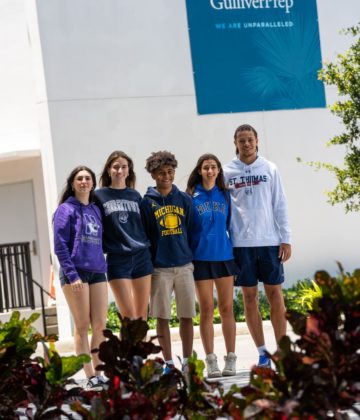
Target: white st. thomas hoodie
(259, 214)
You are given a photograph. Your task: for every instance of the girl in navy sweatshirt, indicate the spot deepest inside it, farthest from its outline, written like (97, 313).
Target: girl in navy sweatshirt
(213, 258)
(125, 241)
(78, 246)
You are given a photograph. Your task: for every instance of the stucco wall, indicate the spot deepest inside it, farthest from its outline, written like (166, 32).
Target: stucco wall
(119, 76)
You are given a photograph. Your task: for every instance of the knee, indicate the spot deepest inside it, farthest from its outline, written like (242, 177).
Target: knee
(82, 329)
(276, 299)
(207, 310)
(226, 310)
(251, 299)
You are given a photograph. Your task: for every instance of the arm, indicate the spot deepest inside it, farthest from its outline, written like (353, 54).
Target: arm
(281, 217)
(62, 242)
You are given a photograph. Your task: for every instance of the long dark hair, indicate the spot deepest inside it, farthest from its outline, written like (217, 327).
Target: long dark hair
(245, 127)
(195, 178)
(68, 189)
(105, 178)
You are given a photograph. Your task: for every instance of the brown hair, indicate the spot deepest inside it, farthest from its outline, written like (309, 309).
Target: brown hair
(195, 178)
(105, 178)
(68, 189)
(158, 159)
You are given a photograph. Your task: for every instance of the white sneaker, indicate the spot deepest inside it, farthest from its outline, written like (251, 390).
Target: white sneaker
(212, 367)
(230, 365)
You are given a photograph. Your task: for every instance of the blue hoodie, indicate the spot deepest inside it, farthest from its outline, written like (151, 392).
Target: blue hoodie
(78, 238)
(210, 238)
(168, 221)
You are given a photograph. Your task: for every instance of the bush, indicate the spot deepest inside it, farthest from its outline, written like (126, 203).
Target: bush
(293, 301)
(316, 376)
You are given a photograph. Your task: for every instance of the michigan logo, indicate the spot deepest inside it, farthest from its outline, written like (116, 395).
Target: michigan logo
(170, 221)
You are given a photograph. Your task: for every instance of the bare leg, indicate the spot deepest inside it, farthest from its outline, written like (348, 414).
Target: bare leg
(205, 295)
(79, 305)
(163, 332)
(252, 314)
(122, 290)
(225, 288)
(187, 335)
(277, 309)
(141, 293)
(98, 314)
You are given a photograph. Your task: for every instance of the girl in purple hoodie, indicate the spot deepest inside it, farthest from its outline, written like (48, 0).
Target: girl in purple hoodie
(78, 246)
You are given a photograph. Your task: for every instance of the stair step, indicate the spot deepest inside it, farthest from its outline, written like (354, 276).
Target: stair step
(52, 329)
(50, 310)
(51, 320)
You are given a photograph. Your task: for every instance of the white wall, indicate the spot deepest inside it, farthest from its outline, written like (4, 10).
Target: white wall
(28, 169)
(119, 76)
(18, 118)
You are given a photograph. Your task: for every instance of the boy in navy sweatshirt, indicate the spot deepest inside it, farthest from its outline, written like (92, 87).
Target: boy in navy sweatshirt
(167, 216)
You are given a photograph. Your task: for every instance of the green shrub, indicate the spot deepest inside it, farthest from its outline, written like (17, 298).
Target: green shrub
(298, 297)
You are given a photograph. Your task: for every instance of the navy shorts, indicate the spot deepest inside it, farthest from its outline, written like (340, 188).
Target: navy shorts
(208, 270)
(130, 266)
(256, 264)
(86, 277)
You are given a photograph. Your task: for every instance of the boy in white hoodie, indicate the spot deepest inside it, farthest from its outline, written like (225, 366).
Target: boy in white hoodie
(260, 233)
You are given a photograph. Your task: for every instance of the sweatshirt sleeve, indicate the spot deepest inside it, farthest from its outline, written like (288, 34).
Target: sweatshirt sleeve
(280, 209)
(190, 218)
(228, 218)
(62, 238)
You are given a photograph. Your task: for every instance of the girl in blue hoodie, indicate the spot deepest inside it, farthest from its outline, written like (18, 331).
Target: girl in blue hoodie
(78, 246)
(213, 258)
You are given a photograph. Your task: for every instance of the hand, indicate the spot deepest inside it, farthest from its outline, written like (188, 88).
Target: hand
(77, 285)
(284, 252)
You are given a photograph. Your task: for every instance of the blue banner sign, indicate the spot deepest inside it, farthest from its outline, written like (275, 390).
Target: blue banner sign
(254, 55)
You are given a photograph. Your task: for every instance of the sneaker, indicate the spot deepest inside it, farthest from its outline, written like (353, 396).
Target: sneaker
(212, 367)
(264, 361)
(103, 379)
(95, 383)
(168, 368)
(230, 365)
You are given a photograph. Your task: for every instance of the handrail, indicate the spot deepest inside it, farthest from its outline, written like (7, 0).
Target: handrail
(16, 289)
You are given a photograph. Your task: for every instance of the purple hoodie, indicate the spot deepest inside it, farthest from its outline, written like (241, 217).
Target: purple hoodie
(78, 238)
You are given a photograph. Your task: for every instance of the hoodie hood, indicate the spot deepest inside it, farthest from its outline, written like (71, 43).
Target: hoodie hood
(239, 164)
(153, 193)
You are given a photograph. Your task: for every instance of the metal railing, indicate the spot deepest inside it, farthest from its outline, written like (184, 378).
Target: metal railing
(16, 282)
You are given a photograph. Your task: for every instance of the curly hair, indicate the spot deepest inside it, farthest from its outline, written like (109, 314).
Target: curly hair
(159, 159)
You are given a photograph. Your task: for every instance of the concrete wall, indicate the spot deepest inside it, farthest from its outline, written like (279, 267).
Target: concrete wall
(119, 76)
(28, 169)
(18, 118)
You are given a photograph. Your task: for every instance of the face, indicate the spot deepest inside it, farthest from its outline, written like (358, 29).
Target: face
(119, 171)
(164, 177)
(246, 143)
(209, 170)
(82, 183)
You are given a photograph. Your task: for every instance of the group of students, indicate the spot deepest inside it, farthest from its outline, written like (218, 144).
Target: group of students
(230, 224)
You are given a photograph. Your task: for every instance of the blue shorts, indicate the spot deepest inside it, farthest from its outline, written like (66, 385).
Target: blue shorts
(208, 270)
(256, 264)
(86, 277)
(130, 266)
